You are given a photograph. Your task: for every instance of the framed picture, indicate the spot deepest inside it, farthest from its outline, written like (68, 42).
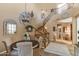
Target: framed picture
(54, 29)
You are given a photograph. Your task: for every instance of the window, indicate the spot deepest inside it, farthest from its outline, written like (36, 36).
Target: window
(11, 28)
(62, 7)
(77, 29)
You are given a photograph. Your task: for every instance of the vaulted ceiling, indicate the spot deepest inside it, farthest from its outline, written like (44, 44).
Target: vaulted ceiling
(12, 10)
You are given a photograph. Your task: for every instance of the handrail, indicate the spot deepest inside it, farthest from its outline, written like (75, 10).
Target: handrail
(49, 16)
(46, 20)
(54, 11)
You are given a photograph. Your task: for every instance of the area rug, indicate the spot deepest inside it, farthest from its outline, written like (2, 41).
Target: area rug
(57, 48)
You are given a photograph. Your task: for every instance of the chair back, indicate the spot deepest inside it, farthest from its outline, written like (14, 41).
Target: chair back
(5, 45)
(24, 49)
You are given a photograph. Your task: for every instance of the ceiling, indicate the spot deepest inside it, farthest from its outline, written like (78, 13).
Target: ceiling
(40, 6)
(67, 20)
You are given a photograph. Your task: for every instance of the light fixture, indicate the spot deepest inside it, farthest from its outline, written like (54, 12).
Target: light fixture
(26, 16)
(45, 27)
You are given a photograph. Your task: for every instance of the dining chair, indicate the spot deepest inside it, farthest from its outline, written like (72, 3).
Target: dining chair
(5, 51)
(24, 49)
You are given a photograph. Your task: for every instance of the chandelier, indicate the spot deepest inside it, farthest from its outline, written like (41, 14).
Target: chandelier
(25, 16)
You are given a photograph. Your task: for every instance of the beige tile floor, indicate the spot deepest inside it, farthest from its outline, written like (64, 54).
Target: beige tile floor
(41, 52)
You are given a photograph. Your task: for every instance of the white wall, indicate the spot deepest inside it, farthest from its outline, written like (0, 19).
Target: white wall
(12, 11)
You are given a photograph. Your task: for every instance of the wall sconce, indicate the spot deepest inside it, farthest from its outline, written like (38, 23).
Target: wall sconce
(45, 27)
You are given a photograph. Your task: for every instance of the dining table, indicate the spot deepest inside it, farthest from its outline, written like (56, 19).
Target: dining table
(35, 44)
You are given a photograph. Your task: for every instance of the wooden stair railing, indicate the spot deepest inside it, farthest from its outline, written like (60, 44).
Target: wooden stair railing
(53, 11)
(43, 32)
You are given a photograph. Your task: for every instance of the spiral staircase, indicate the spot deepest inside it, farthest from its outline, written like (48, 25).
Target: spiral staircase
(40, 27)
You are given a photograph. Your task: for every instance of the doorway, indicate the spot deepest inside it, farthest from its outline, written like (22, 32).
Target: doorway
(64, 33)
